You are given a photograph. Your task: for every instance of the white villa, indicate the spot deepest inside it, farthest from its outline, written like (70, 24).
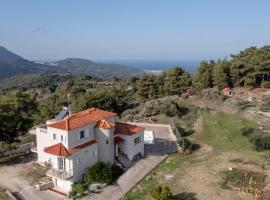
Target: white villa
(74, 142)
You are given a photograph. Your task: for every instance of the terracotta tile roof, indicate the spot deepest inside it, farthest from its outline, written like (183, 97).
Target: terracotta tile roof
(126, 129)
(82, 146)
(118, 140)
(104, 124)
(83, 118)
(58, 150)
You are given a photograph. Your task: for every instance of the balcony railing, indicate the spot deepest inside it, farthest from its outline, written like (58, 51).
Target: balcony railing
(60, 173)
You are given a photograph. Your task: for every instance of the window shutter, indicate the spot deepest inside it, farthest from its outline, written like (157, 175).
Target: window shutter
(78, 136)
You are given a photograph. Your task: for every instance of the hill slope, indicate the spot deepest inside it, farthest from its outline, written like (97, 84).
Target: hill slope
(13, 65)
(98, 70)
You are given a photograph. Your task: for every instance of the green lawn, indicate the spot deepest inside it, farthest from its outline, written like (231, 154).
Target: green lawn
(223, 132)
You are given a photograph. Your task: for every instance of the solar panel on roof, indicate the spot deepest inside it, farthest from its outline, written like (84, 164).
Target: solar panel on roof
(61, 115)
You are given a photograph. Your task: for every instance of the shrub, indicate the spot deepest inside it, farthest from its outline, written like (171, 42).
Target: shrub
(161, 192)
(182, 131)
(259, 139)
(116, 172)
(212, 94)
(102, 173)
(185, 144)
(244, 104)
(78, 190)
(265, 107)
(242, 180)
(99, 172)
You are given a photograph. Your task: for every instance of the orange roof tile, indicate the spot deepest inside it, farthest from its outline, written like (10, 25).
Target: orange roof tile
(118, 140)
(126, 129)
(104, 124)
(82, 146)
(83, 118)
(58, 150)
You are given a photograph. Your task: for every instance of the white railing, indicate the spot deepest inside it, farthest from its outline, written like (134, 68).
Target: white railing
(60, 173)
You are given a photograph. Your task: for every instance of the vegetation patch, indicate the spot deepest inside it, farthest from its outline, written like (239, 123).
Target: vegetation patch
(3, 195)
(100, 173)
(223, 131)
(244, 181)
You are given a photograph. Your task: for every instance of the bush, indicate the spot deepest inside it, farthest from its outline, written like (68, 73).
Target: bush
(185, 144)
(102, 173)
(259, 139)
(182, 131)
(161, 192)
(242, 180)
(265, 107)
(212, 94)
(99, 172)
(78, 190)
(244, 104)
(116, 172)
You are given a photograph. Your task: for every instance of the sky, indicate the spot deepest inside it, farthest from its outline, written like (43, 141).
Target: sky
(133, 30)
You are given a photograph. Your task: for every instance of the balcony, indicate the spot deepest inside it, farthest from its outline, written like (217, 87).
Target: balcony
(60, 173)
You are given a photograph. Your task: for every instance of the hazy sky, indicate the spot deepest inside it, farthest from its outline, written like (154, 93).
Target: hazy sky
(138, 29)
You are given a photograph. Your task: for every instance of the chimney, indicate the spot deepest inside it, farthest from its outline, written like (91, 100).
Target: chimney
(67, 124)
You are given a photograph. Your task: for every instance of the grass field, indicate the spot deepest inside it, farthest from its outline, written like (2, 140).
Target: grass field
(198, 176)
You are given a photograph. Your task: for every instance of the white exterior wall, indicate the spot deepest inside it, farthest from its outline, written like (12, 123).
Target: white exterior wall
(74, 135)
(88, 157)
(105, 151)
(63, 184)
(131, 149)
(45, 139)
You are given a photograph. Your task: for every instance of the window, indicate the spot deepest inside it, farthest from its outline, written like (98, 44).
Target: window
(81, 134)
(94, 153)
(61, 163)
(54, 136)
(62, 138)
(78, 160)
(137, 140)
(107, 141)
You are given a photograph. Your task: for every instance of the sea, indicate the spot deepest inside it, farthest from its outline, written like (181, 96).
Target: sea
(154, 65)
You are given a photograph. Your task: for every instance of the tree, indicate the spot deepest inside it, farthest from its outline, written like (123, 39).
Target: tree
(221, 74)
(176, 81)
(204, 76)
(251, 67)
(16, 111)
(147, 87)
(161, 192)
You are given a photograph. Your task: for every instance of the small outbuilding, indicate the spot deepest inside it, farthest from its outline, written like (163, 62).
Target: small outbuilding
(227, 92)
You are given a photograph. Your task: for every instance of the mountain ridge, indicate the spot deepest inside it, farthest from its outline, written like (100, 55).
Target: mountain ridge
(12, 64)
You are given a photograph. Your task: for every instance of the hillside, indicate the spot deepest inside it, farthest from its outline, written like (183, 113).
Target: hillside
(13, 65)
(97, 70)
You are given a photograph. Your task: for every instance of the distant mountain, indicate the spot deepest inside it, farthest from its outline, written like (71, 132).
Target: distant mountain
(13, 65)
(97, 70)
(6, 55)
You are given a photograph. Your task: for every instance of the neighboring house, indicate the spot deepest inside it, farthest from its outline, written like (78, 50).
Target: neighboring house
(75, 142)
(227, 92)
